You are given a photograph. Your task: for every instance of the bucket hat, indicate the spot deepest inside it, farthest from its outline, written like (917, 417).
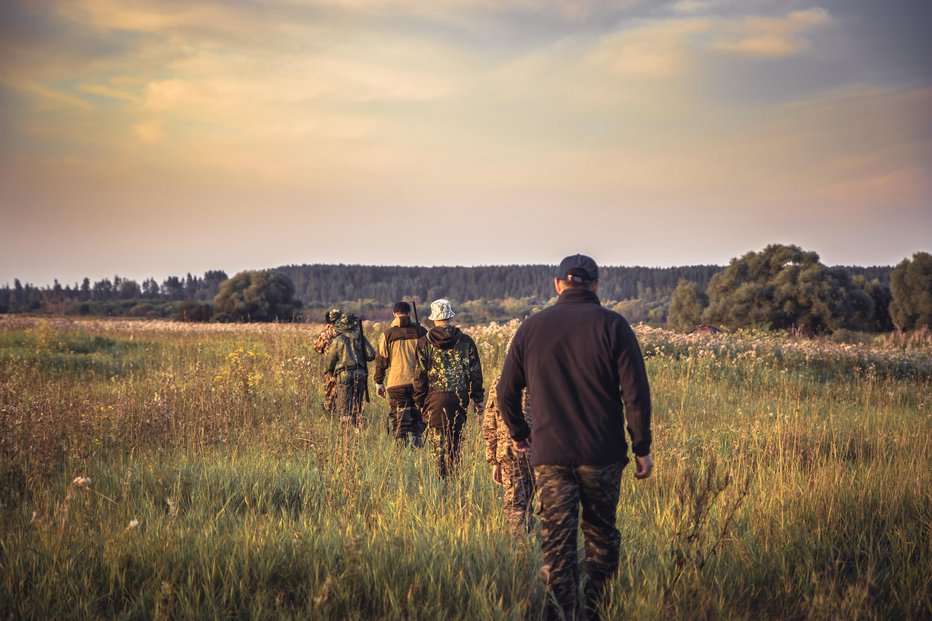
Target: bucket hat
(441, 309)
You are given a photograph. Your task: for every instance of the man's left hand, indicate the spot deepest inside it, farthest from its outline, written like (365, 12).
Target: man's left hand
(645, 465)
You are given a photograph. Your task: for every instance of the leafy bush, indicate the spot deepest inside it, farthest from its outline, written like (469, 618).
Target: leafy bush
(256, 296)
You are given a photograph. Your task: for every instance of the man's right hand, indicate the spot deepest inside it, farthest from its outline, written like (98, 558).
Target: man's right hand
(645, 465)
(497, 473)
(380, 390)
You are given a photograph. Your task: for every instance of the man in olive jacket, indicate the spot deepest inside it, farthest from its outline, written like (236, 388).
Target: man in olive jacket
(584, 366)
(396, 367)
(449, 376)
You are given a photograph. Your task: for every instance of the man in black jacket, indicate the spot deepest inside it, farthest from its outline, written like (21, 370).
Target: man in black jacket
(581, 362)
(396, 367)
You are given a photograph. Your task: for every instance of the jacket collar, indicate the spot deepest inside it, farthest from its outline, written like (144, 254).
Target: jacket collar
(578, 296)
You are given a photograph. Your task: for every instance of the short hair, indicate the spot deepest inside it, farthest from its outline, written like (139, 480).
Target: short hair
(577, 283)
(402, 307)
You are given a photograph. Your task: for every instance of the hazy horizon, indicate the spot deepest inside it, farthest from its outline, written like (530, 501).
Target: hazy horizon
(146, 139)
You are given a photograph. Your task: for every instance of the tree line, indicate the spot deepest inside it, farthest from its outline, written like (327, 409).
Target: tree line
(780, 287)
(367, 288)
(386, 284)
(115, 297)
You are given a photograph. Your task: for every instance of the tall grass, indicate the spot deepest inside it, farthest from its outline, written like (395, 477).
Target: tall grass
(793, 480)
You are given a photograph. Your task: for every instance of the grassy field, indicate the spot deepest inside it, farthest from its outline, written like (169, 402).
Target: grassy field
(793, 481)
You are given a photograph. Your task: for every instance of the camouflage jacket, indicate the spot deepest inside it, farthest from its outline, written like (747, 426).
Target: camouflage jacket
(448, 361)
(349, 350)
(498, 443)
(324, 339)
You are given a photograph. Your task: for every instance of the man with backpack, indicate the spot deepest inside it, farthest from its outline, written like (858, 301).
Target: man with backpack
(347, 361)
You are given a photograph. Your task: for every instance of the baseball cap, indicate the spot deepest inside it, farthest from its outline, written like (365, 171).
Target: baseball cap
(578, 268)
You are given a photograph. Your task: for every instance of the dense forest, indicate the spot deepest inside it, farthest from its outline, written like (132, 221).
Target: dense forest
(323, 285)
(482, 293)
(315, 284)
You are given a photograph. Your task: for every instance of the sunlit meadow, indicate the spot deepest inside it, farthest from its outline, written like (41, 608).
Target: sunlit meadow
(168, 470)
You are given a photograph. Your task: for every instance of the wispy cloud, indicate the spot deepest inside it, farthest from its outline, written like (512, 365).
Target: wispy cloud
(771, 37)
(213, 106)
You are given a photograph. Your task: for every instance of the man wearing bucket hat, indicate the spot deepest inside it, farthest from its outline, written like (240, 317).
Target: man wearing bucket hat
(449, 377)
(584, 366)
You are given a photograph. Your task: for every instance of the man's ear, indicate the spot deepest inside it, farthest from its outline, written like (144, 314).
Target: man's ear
(558, 285)
(595, 286)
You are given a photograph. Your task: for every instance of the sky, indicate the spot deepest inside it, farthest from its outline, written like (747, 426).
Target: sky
(146, 138)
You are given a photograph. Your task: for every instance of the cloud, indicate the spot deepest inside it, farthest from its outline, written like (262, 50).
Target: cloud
(222, 88)
(148, 133)
(110, 92)
(695, 6)
(653, 50)
(49, 96)
(770, 37)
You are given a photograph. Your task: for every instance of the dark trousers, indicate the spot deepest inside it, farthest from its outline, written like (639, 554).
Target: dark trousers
(404, 419)
(350, 396)
(562, 489)
(446, 415)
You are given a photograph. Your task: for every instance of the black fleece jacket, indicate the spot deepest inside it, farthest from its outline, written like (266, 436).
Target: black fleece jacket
(580, 361)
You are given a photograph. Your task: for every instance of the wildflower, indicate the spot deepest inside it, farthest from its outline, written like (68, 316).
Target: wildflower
(133, 523)
(81, 482)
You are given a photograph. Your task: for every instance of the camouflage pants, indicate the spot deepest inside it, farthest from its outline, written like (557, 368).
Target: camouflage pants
(404, 419)
(518, 487)
(350, 393)
(446, 415)
(330, 394)
(562, 490)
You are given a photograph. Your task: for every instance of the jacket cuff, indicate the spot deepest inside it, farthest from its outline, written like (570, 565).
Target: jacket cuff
(642, 449)
(523, 433)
